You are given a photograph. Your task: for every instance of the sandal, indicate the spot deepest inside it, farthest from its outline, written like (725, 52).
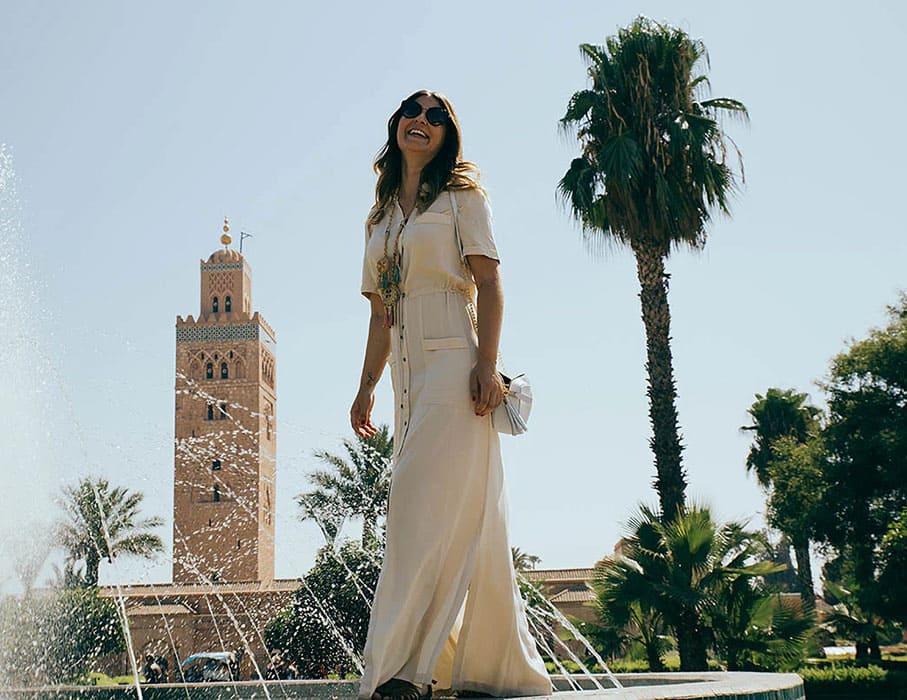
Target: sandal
(398, 689)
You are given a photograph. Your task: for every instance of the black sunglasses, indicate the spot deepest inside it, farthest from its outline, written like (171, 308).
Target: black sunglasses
(436, 116)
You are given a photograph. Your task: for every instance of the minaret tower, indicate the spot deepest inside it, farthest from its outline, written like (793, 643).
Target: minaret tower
(225, 463)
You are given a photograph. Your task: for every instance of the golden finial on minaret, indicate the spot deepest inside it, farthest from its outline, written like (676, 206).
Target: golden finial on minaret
(225, 239)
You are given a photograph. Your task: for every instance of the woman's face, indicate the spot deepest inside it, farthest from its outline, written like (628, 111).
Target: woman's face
(417, 137)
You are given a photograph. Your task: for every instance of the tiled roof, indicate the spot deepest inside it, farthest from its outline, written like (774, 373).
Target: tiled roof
(171, 589)
(573, 596)
(558, 575)
(159, 610)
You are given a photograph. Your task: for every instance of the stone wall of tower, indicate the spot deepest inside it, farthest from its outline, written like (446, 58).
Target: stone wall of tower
(222, 278)
(225, 448)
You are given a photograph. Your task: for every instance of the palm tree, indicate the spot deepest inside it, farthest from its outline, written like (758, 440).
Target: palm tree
(779, 413)
(678, 569)
(634, 621)
(653, 167)
(102, 523)
(524, 561)
(756, 627)
(35, 545)
(358, 488)
(783, 423)
(850, 621)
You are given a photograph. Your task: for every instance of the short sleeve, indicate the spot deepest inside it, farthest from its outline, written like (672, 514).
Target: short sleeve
(474, 219)
(369, 271)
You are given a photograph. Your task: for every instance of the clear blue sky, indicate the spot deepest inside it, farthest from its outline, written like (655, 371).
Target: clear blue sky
(132, 129)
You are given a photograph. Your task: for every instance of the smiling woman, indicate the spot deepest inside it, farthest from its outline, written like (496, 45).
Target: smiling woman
(447, 611)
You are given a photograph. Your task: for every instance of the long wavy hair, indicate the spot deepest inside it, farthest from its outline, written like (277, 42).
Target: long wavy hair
(447, 170)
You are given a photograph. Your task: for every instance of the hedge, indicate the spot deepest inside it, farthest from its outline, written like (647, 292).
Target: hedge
(854, 682)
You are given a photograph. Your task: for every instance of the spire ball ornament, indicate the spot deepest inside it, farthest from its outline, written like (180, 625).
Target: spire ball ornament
(226, 239)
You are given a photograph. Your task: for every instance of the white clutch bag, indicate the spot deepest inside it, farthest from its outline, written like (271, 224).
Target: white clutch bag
(512, 415)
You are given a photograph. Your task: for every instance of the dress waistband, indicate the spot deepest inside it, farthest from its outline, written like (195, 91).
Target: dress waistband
(422, 291)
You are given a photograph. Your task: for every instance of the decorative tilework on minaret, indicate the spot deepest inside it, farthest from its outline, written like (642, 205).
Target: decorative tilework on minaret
(226, 438)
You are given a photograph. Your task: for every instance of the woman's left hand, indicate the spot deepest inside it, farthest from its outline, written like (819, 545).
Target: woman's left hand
(486, 387)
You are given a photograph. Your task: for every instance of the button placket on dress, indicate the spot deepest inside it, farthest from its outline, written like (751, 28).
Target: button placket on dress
(400, 329)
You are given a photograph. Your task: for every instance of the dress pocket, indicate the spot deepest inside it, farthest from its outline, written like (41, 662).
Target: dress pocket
(455, 343)
(447, 366)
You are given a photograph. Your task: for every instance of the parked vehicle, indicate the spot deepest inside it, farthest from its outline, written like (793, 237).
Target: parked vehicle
(209, 667)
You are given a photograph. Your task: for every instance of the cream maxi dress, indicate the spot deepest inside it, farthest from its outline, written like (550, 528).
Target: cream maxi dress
(447, 608)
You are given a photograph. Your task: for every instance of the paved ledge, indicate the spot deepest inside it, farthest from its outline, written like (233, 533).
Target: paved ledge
(637, 686)
(677, 686)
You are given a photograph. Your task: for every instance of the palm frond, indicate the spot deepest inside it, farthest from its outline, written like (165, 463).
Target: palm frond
(645, 91)
(725, 105)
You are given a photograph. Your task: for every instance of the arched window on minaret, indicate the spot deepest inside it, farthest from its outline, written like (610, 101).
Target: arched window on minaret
(210, 411)
(224, 373)
(214, 305)
(217, 493)
(228, 304)
(209, 370)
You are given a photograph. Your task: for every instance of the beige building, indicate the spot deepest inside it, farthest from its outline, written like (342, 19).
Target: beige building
(569, 589)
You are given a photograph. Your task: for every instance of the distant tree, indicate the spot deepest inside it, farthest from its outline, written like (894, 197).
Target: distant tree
(327, 622)
(355, 488)
(795, 501)
(651, 173)
(777, 414)
(523, 561)
(785, 581)
(893, 571)
(848, 619)
(101, 522)
(70, 575)
(30, 552)
(56, 637)
(788, 475)
(864, 472)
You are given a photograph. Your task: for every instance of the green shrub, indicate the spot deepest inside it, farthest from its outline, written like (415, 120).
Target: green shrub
(853, 682)
(328, 618)
(56, 636)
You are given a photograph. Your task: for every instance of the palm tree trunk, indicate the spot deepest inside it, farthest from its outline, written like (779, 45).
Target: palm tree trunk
(369, 525)
(733, 657)
(92, 564)
(804, 574)
(691, 644)
(670, 481)
(875, 652)
(653, 655)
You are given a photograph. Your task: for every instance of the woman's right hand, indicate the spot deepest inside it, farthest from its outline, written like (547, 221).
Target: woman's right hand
(361, 413)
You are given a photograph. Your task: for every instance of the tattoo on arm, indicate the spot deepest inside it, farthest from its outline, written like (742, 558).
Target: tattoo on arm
(369, 379)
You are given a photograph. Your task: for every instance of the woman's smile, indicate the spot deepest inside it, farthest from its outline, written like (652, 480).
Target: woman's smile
(417, 135)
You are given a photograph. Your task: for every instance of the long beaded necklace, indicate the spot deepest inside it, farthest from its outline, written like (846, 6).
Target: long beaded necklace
(389, 270)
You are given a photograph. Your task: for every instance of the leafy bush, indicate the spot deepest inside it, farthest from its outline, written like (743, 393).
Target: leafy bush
(854, 682)
(55, 638)
(328, 619)
(870, 681)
